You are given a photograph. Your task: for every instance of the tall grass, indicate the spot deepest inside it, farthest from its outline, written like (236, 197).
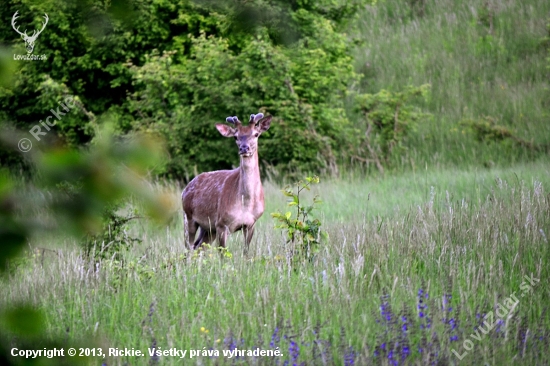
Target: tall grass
(482, 58)
(461, 235)
(414, 259)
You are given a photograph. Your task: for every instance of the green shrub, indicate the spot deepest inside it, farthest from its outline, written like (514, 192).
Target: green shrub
(303, 232)
(188, 64)
(302, 86)
(183, 101)
(113, 238)
(487, 130)
(389, 118)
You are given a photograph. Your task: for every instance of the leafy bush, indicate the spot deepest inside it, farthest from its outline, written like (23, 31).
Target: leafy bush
(187, 64)
(182, 102)
(389, 117)
(302, 86)
(487, 130)
(303, 232)
(113, 238)
(109, 239)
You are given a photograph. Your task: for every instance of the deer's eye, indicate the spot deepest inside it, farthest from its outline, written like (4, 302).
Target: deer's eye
(256, 134)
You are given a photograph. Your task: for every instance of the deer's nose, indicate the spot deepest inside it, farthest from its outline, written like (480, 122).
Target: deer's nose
(243, 149)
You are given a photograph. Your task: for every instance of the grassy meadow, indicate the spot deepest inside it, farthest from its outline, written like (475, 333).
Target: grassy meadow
(466, 238)
(421, 265)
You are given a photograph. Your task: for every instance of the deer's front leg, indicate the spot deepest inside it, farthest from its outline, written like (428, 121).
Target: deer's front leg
(248, 232)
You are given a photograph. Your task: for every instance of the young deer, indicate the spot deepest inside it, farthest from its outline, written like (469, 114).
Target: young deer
(221, 202)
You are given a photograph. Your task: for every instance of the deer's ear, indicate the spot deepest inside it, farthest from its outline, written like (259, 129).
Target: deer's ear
(225, 130)
(263, 124)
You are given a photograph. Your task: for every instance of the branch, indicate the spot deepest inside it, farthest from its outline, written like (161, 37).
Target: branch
(289, 86)
(80, 106)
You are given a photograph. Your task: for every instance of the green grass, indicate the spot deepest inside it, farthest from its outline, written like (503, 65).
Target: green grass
(475, 70)
(456, 217)
(472, 234)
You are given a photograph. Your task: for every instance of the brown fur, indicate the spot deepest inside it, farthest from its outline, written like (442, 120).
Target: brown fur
(224, 201)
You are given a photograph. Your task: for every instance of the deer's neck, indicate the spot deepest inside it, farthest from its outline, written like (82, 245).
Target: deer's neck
(250, 186)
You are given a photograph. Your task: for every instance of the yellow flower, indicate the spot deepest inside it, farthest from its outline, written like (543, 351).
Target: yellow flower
(204, 330)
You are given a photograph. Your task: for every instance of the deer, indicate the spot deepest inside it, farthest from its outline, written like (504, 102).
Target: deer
(220, 202)
(29, 40)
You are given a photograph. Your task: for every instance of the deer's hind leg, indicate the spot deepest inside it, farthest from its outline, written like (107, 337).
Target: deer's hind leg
(205, 236)
(192, 227)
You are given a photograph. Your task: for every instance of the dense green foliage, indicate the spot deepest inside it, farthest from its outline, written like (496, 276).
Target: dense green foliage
(176, 68)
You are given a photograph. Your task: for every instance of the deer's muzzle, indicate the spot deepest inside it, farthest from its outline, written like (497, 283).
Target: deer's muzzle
(244, 150)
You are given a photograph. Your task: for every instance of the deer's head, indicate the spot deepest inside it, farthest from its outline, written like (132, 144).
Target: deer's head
(246, 136)
(29, 40)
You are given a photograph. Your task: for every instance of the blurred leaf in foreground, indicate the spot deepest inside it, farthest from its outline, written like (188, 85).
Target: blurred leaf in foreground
(12, 233)
(8, 67)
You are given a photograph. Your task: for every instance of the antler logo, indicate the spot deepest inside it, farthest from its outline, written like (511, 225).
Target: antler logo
(29, 40)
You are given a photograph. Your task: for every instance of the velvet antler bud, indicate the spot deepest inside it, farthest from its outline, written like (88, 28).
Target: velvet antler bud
(233, 120)
(258, 117)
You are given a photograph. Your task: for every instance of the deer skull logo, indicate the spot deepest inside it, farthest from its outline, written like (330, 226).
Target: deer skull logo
(29, 40)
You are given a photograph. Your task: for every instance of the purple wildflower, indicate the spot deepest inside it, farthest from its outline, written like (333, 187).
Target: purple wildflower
(349, 357)
(154, 358)
(405, 351)
(324, 347)
(454, 336)
(421, 306)
(498, 330)
(229, 342)
(151, 310)
(422, 309)
(424, 321)
(391, 359)
(385, 310)
(275, 338)
(448, 319)
(403, 339)
(320, 347)
(294, 351)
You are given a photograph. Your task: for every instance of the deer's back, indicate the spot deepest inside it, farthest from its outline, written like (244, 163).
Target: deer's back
(203, 195)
